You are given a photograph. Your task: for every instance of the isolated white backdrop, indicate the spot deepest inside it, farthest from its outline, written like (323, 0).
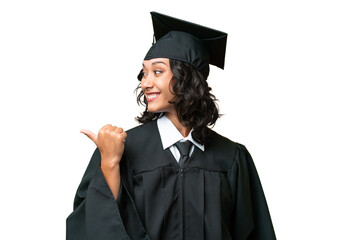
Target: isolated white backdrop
(289, 92)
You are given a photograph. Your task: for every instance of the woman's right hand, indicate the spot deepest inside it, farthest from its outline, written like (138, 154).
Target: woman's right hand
(110, 141)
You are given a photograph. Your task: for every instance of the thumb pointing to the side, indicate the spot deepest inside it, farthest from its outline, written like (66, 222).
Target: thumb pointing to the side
(89, 134)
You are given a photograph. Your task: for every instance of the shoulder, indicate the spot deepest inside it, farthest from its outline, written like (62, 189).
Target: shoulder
(141, 131)
(224, 149)
(143, 136)
(218, 141)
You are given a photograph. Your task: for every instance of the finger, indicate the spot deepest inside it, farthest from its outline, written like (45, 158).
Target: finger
(89, 134)
(123, 136)
(107, 126)
(119, 130)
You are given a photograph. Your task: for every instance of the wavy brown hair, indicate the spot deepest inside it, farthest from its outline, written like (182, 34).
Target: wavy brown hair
(194, 103)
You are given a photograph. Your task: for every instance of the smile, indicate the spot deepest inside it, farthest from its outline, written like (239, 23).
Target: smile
(152, 96)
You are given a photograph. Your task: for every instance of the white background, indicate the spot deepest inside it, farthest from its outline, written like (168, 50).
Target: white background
(289, 92)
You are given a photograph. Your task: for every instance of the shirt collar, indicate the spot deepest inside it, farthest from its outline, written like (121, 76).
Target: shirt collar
(170, 135)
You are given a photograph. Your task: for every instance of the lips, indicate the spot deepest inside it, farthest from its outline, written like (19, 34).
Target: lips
(152, 96)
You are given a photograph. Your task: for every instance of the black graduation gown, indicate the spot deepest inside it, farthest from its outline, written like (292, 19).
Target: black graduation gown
(217, 195)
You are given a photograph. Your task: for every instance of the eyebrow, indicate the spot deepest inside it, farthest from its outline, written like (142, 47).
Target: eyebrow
(157, 62)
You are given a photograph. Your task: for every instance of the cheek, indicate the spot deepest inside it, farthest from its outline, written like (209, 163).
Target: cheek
(167, 89)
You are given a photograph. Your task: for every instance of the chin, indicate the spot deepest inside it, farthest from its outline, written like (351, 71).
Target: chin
(159, 109)
(155, 109)
(152, 110)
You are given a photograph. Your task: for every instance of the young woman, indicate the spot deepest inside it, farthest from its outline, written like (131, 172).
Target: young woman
(172, 177)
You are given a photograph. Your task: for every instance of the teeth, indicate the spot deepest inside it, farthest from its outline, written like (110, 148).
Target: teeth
(152, 96)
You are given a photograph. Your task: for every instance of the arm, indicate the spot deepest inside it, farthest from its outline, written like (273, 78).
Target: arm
(252, 219)
(96, 214)
(112, 177)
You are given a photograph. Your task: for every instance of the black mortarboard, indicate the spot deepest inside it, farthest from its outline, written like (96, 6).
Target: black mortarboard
(188, 42)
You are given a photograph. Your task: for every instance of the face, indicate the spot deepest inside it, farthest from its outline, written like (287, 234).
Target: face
(155, 84)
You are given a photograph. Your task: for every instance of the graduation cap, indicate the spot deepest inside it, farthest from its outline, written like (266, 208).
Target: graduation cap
(188, 42)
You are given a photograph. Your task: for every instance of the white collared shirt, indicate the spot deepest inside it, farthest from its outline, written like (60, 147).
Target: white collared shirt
(170, 135)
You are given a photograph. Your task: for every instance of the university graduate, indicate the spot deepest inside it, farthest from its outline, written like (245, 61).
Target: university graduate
(172, 177)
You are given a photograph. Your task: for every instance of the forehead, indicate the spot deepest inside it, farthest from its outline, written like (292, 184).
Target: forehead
(156, 61)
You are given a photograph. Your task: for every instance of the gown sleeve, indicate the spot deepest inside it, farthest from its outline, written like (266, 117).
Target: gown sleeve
(252, 219)
(97, 215)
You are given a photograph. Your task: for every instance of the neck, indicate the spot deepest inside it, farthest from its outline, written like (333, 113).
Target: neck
(182, 129)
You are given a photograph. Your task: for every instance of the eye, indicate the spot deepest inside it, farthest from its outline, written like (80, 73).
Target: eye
(157, 72)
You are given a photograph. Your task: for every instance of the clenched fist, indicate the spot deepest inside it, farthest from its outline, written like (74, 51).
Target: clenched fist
(110, 142)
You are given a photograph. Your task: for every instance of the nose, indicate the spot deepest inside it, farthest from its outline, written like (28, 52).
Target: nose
(147, 82)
